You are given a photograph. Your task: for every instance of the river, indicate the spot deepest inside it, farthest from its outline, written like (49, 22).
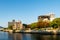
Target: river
(21, 36)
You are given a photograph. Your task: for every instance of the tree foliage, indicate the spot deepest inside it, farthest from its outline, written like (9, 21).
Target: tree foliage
(25, 25)
(55, 23)
(33, 25)
(42, 24)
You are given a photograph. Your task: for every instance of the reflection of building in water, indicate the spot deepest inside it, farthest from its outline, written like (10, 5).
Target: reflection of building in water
(10, 36)
(14, 36)
(15, 25)
(49, 17)
(17, 36)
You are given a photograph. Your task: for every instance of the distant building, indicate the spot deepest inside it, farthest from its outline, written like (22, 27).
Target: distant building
(15, 25)
(49, 17)
(1, 28)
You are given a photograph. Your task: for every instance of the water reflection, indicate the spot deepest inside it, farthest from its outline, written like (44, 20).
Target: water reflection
(3, 36)
(26, 36)
(14, 36)
(57, 37)
(36, 37)
(21, 36)
(40, 37)
(45, 37)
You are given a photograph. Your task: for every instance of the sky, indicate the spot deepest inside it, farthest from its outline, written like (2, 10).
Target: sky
(27, 11)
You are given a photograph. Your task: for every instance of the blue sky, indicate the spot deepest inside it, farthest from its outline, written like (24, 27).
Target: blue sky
(26, 10)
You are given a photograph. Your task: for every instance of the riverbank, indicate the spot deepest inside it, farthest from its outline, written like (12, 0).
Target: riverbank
(44, 32)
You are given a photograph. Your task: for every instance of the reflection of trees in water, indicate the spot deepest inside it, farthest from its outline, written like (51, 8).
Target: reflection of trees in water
(54, 37)
(57, 37)
(41, 37)
(26, 36)
(36, 37)
(14, 36)
(47, 37)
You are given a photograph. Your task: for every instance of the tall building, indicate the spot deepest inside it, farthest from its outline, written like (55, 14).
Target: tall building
(15, 25)
(49, 17)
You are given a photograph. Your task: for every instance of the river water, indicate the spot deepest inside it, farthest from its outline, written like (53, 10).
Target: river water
(21, 36)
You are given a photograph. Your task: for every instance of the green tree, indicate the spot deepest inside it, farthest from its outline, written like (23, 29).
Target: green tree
(33, 25)
(55, 23)
(25, 25)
